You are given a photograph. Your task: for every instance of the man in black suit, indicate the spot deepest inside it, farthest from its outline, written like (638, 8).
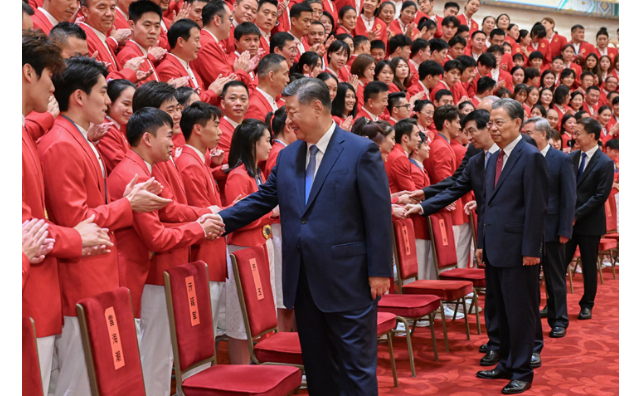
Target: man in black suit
(515, 199)
(594, 178)
(558, 226)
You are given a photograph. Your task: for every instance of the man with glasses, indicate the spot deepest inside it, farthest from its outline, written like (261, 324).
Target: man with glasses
(511, 242)
(399, 108)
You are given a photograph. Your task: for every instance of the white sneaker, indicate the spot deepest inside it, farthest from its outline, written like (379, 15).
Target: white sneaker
(606, 263)
(423, 323)
(578, 269)
(448, 313)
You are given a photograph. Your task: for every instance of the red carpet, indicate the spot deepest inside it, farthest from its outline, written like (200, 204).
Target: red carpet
(584, 362)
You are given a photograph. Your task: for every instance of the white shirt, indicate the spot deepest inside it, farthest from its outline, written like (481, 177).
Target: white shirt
(590, 154)
(197, 151)
(507, 150)
(148, 166)
(188, 69)
(163, 26)
(424, 88)
(299, 45)
(95, 151)
(232, 122)
(272, 102)
(576, 47)
(103, 39)
(545, 150)
(373, 118)
(368, 24)
(267, 36)
(358, 7)
(495, 74)
(50, 17)
(115, 123)
(212, 35)
(322, 148)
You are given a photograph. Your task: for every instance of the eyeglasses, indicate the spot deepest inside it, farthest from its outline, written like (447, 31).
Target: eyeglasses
(427, 113)
(498, 123)
(406, 106)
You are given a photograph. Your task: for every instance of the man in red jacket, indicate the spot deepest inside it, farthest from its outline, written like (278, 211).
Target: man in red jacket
(273, 75)
(234, 103)
(75, 182)
(53, 12)
(398, 166)
(581, 47)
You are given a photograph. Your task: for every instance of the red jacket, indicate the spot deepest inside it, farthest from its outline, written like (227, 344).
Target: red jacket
(112, 147)
(37, 124)
(276, 148)
(259, 106)
(121, 22)
(463, 21)
(398, 169)
(397, 29)
(76, 189)
(592, 111)
(107, 55)
(240, 183)
(361, 29)
(212, 61)
(202, 191)
(421, 180)
(171, 67)
(40, 21)
(229, 45)
(41, 292)
(136, 244)
(131, 50)
(587, 48)
(225, 140)
(416, 89)
(543, 47)
(442, 160)
(457, 90)
(555, 45)
(332, 8)
(458, 216)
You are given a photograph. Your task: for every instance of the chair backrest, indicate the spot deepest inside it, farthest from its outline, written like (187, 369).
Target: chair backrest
(611, 213)
(251, 271)
(442, 241)
(31, 377)
(110, 343)
(473, 219)
(404, 250)
(190, 317)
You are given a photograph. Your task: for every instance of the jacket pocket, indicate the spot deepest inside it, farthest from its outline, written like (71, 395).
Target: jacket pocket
(348, 250)
(514, 228)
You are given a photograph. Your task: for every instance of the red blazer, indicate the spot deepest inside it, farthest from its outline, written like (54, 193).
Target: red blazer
(611, 52)
(202, 191)
(588, 48)
(463, 21)
(420, 223)
(415, 89)
(398, 169)
(40, 21)
(593, 111)
(442, 160)
(273, 156)
(457, 90)
(361, 29)
(543, 47)
(229, 45)
(107, 55)
(138, 243)
(212, 62)
(502, 76)
(331, 7)
(340, 30)
(556, 43)
(458, 216)
(41, 292)
(131, 50)
(343, 74)
(120, 22)
(240, 183)
(561, 111)
(396, 29)
(164, 40)
(171, 67)
(264, 45)
(259, 106)
(76, 189)
(438, 22)
(112, 147)
(225, 140)
(37, 124)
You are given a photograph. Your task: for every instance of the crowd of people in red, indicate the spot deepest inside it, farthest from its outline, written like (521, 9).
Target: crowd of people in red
(143, 119)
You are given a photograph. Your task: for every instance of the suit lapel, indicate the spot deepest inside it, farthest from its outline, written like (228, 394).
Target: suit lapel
(590, 165)
(328, 159)
(75, 133)
(576, 162)
(511, 162)
(301, 160)
(490, 176)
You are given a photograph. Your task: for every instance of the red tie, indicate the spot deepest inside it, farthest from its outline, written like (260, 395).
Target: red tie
(499, 167)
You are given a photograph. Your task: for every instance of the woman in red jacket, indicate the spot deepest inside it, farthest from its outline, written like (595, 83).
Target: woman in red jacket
(114, 145)
(368, 25)
(250, 145)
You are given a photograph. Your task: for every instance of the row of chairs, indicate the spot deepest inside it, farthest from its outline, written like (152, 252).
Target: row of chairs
(111, 346)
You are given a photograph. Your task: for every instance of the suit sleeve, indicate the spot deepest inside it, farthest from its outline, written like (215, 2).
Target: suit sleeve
(237, 185)
(460, 187)
(601, 194)
(158, 238)
(567, 198)
(373, 187)
(536, 197)
(25, 269)
(442, 168)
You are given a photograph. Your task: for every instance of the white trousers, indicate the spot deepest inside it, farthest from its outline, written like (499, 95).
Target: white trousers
(73, 378)
(464, 241)
(618, 211)
(426, 263)
(46, 352)
(276, 233)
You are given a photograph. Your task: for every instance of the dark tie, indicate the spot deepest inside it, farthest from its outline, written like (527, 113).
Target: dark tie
(499, 167)
(311, 172)
(584, 157)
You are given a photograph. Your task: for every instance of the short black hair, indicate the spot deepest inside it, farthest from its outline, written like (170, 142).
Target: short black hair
(497, 32)
(613, 144)
(418, 45)
(139, 8)
(441, 93)
(462, 29)
(576, 27)
(278, 40)
(477, 32)
(183, 94)
(152, 94)
(530, 73)
(427, 23)
(199, 113)
(445, 113)
(451, 4)
(338, 46)
(232, 84)
(81, 73)
(538, 31)
(243, 144)
(450, 20)
(115, 88)
(65, 29)
(517, 56)
(378, 44)
(404, 127)
(480, 116)
(214, 8)
(181, 29)
(374, 88)
(560, 94)
(269, 63)
(457, 40)
(393, 99)
(466, 61)
(298, 9)
(452, 64)
(566, 73)
(246, 29)
(437, 44)
(146, 119)
(536, 55)
(592, 88)
(263, 2)
(398, 41)
(358, 40)
(591, 126)
(429, 68)
(485, 84)
(496, 49)
(488, 60)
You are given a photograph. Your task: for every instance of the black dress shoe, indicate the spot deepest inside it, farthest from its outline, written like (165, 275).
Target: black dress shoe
(585, 313)
(484, 348)
(490, 359)
(544, 311)
(493, 374)
(558, 332)
(535, 360)
(516, 386)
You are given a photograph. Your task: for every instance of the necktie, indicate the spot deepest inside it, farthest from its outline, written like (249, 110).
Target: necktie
(486, 159)
(584, 157)
(311, 172)
(499, 167)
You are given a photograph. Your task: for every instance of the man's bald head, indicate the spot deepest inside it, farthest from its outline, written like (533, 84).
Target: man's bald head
(486, 103)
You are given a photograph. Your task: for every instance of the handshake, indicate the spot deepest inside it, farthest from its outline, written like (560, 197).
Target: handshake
(213, 226)
(409, 204)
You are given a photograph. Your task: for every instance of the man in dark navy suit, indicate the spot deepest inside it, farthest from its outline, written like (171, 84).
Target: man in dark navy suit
(594, 178)
(558, 226)
(511, 244)
(335, 206)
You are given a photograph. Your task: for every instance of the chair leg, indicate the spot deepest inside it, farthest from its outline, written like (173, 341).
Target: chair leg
(409, 346)
(466, 318)
(413, 327)
(455, 312)
(599, 264)
(613, 263)
(475, 301)
(444, 328)
(392, 358)
(570, 276)
(433, 340)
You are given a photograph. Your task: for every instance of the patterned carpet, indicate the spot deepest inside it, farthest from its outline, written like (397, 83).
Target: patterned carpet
(584, 362)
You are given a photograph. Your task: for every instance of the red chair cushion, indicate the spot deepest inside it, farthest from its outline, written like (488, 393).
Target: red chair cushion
(442, 229)
(386, 322)
(611, 213)
(253, 268)
(31, 378)
(195, 343)
(127, 379)
(243, 380)
(409, 306)
(606, 244)
(474, 275)
(406, 248)
(612, 235)
(446, 290)
(282, 347)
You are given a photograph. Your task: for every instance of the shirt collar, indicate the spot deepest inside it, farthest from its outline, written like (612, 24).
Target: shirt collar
(232, 122)
(126, 18)
(144, 51)
(266, 95)
(323, 143)
(23, 120)
(197, 152)
(50, 17)
(148, 166)
(507, 150)
(448, 141)
(591, 152)
(182, 62)
(494, 148)
(101, 36)
(264, 34)
(212, 35)
(416, 64)
(115, 123)
(373, 118)
(545, 150)
(424, 88)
